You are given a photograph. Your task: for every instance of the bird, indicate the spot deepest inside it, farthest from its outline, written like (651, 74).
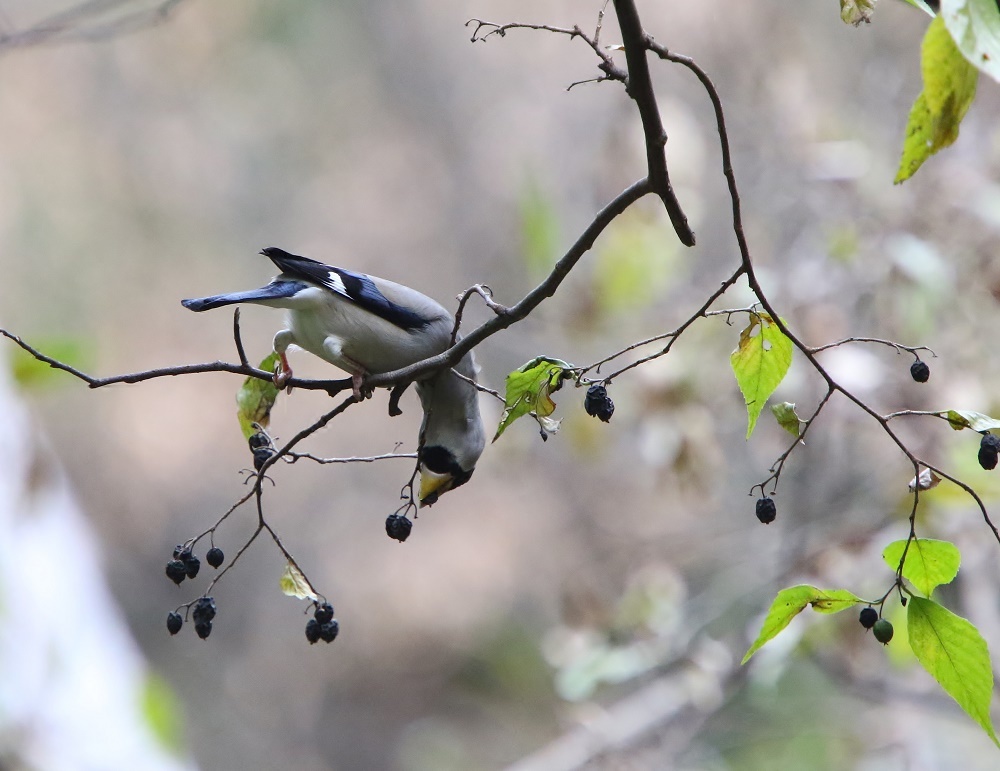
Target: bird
(365, 325)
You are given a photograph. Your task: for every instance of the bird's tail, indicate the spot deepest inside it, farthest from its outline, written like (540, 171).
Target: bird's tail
(272, 294)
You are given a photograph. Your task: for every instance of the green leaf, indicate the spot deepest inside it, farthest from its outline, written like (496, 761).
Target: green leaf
(949, 88)
(30, 373)
(294, 584)
(255, 399)
(529, 390)
(975, 27)
(959, 419)
(857, 11)
(790, 602)
(760, 362)
(929, 562)
(161, 710)
(955, 654)
(787, 418)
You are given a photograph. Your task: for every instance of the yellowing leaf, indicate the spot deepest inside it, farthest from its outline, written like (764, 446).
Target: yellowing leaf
(787, 418)
(294, 584)
(949, 88)
(529, 390)
(760, 362)
(255, 399)
(929, 562)
(959, 419)
(790, 602)
(955, 654)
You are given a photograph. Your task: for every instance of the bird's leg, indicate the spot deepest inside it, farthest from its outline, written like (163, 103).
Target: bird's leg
(358, 372)
(283, 373)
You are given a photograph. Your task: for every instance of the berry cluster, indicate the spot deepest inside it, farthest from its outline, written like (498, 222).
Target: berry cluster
(598, 404)
(322, 626)
(203, 612)
(989, 448)
(186, 564)
(881, 628)
(398, 527)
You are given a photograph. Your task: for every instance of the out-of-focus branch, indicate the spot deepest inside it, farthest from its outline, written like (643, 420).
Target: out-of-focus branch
(91, 20)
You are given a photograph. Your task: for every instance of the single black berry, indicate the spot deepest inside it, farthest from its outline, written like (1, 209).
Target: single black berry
(215, 557)
(203, 628)
(174, 622)
(868, 617)
(204, 610)
(176, 571)
(261, 456)
(328, 631)
(902, 601)
(919, 371)
(882, 630)
(324, 612)
(598, 404)
(259, 440)
(989, 448)
(178, 551)
(766, 510)
(398, 527)
(312, 631)
(191, 566)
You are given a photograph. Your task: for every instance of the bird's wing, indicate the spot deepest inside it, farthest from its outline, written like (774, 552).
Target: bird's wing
(408, 309)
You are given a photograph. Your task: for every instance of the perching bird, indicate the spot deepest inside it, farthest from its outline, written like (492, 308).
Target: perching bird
(368, 325)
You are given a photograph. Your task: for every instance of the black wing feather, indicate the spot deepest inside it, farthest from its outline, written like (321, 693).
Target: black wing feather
(357, 287)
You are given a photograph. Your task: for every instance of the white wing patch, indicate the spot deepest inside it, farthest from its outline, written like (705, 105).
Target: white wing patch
(335, 283)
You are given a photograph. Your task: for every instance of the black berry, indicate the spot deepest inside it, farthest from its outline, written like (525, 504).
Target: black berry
(174, 622)
(989, 448)
(215, 557)
(328, 631)
(919, 371)
(868, 617)
(324, 613)
(598, 404)
(766, 510)
(261, 456)
(259, 440)
(312, 631)
(882, 630)
(191, 566)
(204, 610)
(178, 551)
(203, 628)
(176, 571)
(398, 527)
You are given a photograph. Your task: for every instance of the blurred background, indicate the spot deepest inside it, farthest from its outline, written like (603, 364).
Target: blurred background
(582, 603)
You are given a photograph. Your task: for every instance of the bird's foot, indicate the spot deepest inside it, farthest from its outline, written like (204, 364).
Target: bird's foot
(360, 394)
(282, 373)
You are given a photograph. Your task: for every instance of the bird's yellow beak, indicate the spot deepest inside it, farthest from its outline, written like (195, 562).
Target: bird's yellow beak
(432, 485)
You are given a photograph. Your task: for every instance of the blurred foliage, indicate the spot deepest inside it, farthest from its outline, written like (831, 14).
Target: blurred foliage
(162, 710)
(32, 374)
